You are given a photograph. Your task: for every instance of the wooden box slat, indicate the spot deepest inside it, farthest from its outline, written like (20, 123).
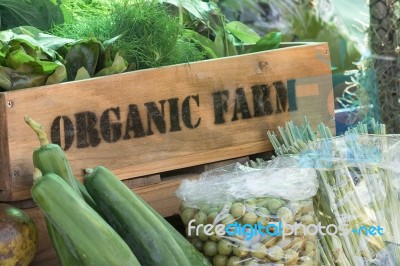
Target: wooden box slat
(196, 106)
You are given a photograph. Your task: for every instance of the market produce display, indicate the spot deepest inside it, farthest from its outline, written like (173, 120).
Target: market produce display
(120, 36)
(18, 236)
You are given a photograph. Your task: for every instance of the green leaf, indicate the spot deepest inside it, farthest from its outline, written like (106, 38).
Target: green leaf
(242, 32)
(42, 14)
(32, 37)
(82, 73)
(111, 41)
(219, 45)
(5, 79)
(268, 42)
(23, 81)
(205, 43)
(84, 54)
(231, 48)
(119, 65)
(59, 75)
(20, 13)
(53, 42)
(24, 63)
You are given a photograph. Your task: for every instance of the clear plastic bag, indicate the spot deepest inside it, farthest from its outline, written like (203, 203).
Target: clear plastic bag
(359, 191)
(238, 215)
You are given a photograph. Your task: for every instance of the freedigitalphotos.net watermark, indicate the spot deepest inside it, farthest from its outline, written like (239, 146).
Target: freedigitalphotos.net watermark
(280, 229)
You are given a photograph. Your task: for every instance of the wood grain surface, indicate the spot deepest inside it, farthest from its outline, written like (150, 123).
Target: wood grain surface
(151, 121)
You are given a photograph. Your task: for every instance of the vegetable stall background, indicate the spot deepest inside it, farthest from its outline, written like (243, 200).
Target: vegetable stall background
(364, 54)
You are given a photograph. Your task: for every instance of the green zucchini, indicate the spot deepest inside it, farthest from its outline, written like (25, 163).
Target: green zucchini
(149, 238)
(90, 239)
(50, 158)
(192, 252)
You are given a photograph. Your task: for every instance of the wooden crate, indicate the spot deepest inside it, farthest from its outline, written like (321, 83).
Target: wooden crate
(152, 121)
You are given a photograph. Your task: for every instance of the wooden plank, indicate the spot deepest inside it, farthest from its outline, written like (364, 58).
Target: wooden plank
(5, 178)
(211, 166)
(152, 121)
(142, 181)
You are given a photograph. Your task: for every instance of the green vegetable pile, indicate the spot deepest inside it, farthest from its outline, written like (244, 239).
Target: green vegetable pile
(297, 249)
(72, 40)
(101, 222)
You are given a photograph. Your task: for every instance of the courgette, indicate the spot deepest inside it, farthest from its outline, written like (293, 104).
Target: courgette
(149, 238)
(50, 158)
(92, 240)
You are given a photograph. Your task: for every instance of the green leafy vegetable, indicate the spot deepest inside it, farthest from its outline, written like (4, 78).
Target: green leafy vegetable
(242, 32)
(268, 42)
(85, 54)
(41, 14)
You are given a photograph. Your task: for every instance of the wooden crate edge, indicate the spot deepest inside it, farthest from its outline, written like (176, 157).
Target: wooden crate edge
(5, 178)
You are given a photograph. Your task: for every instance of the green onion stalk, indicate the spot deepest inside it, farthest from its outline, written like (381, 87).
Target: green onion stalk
(337, 201)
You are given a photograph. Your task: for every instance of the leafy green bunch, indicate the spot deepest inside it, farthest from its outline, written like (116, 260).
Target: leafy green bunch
(213, 33)
(30, 58)
(148, 36)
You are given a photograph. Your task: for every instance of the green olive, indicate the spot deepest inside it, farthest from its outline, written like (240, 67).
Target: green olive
(250, 202)
(262, 202)
(291, 256)
(285, 215)
(220, 260)
(240, 251)
(263, 221)
(274, 253)
(187, 215)
(224, 247)
(211, 209)
(233, 261)
(210, 248)
(275, 204)
(211, 217)
(197, 243)
(202, 234)
(262, 212)
(200, 218)
(237, 209)
(215, 237)
(258, 251)
(228, 219)
(250, 218)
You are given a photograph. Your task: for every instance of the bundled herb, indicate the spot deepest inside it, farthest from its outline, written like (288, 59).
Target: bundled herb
(148, 36)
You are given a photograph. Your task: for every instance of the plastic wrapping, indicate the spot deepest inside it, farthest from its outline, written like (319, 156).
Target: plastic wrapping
(238, 215)
(359, 190)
